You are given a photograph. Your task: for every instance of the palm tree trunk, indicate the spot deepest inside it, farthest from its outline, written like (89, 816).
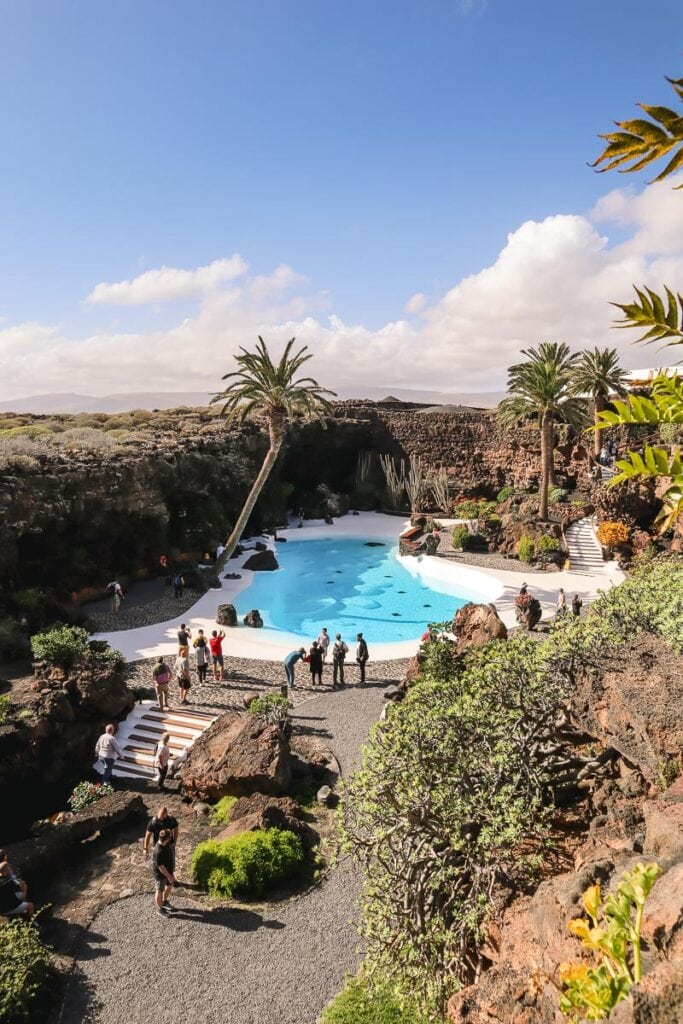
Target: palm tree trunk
(546, 457)
(598, 406)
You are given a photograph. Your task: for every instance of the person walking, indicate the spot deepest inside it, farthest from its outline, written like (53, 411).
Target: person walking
(290, 662)
(163, 862)
(315, 658)
(178, 584)
(201, 648)
(577, 604)
(216, 648)
(184, 637)
(324, 642)
(561, 602)
(339, 652)
(115, 591)
(362, 655)
(161, 674)
(182, 675)
(108, 750)
(162, 755)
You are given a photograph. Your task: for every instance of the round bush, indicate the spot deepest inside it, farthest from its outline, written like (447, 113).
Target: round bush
(526, 549)
(357, 1003)
(248, 865)
(26, 969)
(460, 535)
(504, 493)
(475, 542)
(61, 646)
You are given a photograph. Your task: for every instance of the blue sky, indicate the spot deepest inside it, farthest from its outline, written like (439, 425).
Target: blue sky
(379, 148)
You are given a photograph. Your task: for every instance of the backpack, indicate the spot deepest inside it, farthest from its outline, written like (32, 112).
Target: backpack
(339, 651)
(111, 587)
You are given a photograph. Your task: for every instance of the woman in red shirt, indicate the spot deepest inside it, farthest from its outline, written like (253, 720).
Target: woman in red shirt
(216, 647)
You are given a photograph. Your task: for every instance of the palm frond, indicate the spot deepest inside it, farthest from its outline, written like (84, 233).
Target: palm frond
(598, 374)
(663, 318)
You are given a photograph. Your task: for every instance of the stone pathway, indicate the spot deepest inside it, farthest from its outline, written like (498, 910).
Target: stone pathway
(278, 962)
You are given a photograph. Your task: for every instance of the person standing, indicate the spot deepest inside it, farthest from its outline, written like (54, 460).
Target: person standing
(182, 675)
(115, 591)
(216, 648)
(561, 602)
(161, 674)
(219, 551)
(162, 755)
(577, 604)
(324, 642)
(178, 584)
(201, 647)
(362, 655)
(184, 637)
(163, 862)
(108, 750)
(315, 658)
(161, 820)
(290, 662)
(339, 652)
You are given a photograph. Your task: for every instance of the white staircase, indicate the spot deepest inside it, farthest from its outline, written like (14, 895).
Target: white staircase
(585, 553)
(139, 734)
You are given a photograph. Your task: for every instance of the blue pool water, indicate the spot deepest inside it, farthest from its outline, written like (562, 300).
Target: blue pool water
(350, 587)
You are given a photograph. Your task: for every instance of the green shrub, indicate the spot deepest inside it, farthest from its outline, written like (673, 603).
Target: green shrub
(220, 813)
(26, 971)
(556, 494)
(671, 433)
(86, 793)
(460, 535)
(526, 549)
(546, 542)
(504, 493)
(475, 542)
(106, 655)
(61, 646)
(13, 640)
(473, 508)
(30, 599)
(272, 707)
(31, 431)
(5, 710)
(249, 864)
(358, 1003)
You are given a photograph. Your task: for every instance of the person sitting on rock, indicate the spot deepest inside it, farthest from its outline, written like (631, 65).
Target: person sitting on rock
(19, 883)
(12, 901)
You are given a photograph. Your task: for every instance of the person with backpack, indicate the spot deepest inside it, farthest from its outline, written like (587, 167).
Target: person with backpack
(162, 755)
(115, 591)
(339, 652)
(362, 655)
(161, 674)
(178, 584)
(182, 675)
(577, 604)
(201, 648)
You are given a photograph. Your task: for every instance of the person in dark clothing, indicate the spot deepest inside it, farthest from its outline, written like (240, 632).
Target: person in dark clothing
(339, 652)
(162, 821)
(178, 584)
(577, 604)
(362, 655)
(184, 637)
(163, 861)
(315, 658)
(12, 902)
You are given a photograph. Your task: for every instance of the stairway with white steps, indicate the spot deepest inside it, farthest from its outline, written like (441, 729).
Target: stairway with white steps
(139, 734)
(585, 552)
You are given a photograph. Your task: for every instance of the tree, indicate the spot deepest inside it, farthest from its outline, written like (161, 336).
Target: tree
(541, 388)
(274, 391)
(599, 375)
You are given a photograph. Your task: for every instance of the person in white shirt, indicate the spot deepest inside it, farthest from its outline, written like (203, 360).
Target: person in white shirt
(162, 755)
(108, 749)
(339, 652)
(324, 642)
(219, 551)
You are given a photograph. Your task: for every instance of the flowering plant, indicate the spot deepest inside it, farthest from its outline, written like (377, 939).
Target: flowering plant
(86, 793)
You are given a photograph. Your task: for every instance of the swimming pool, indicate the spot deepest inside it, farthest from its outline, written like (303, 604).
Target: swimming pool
(350, 586)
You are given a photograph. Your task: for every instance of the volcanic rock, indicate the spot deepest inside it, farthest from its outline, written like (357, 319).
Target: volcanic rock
(262, 561)
(477, 624)
(253, 619)
(226, 615)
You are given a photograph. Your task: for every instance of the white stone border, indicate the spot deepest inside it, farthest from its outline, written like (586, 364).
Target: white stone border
(498, 586)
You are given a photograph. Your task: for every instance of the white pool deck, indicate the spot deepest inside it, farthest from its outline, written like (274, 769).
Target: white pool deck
(489, 585)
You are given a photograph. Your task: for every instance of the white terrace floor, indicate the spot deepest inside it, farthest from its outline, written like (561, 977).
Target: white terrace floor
(498, 586)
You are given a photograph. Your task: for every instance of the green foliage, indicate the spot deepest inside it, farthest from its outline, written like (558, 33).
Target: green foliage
(13, 640)
(220, 812)
(546, 542)
(26, 972)
(31, 431)
(86, 793)
(473, 508)
(249, 864)
(661, 318)
(667, 772)
(5, 710)
(526, 549)
(61, 646)
(475, 542)
(504, 493)
(639, 142)
(612, 933)
(557, 494)
(671, 433)
(272, 707)
(360, 1002)
(460, 535)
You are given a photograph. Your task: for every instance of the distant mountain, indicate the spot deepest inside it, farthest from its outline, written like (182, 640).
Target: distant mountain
(124, 402)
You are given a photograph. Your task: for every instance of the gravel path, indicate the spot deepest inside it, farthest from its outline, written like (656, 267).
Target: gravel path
(146, 603)
(276, 963)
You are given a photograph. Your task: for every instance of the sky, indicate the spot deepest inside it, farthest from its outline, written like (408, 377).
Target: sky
(403, 185)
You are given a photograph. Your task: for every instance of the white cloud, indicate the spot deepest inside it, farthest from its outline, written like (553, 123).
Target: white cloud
(553, 280)
(168, 283)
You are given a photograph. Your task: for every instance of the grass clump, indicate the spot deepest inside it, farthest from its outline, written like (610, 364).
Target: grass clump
(26, 971)
(358, 1003)
(220, 813)
(248, 865)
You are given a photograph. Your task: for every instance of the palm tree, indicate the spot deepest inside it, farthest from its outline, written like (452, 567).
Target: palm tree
(599, 375)
(541, 387)
(274, 391)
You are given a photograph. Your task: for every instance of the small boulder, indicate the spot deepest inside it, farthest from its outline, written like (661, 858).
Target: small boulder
(201, 809)
(324, 795)
(262, 561)
(253, 619)
(249, 698)
(477, 624)
(226, 615)
(260, 546)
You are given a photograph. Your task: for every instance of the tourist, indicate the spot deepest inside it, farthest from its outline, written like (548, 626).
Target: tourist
(163, 562)
(315, 659)
(604, 456)
(178, 584)
(201, 647)
(290, 662)
(161, 820)
(12, 900)
(561, 602)
(182, 676)
(163, 862)
(219, 551)
(216, 648)
(19, 883)
(523, 590)
(339, 652)
(577, 604)
(362, 655)
(161, 674)
(324, 642)
(184, 637)
(108, 750)
(115, 591)
(162, 756)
